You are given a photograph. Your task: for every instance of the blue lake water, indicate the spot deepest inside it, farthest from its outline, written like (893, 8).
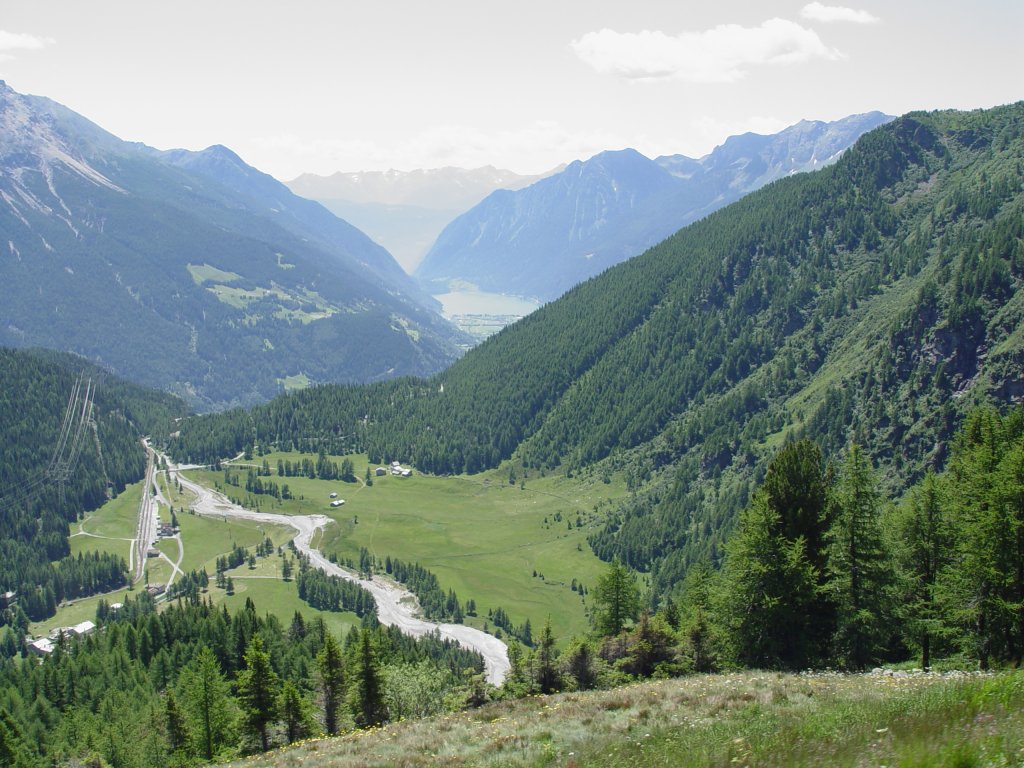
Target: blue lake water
(483, 303)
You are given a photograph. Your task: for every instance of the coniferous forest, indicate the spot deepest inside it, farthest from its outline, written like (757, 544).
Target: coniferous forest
(44, 493)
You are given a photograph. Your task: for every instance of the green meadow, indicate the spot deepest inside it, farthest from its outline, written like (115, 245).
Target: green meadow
(482, 536)
(111, 527)
(271, 595)
(518, 546)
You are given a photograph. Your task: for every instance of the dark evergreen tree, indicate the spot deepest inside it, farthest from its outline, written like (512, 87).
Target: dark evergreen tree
(296, 713)
(859, 574)
(331, 682)
(548, 677)
(617, 599)
(366, 698)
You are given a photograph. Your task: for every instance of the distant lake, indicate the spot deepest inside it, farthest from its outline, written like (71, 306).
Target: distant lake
(482, 303)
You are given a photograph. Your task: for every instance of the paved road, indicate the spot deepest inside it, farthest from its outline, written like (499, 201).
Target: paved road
(395, 606)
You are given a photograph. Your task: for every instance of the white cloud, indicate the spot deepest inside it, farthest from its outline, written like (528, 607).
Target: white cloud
(828, 13)
(19, 41)
(718, 55)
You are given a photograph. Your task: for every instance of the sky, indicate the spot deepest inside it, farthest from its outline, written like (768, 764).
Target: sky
(320, 86)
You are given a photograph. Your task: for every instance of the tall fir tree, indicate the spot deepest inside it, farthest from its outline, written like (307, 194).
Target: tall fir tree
(205, 696)
(366, 696)
(330, 667)
(617, 599)
(768, 589)
(859, 573)
(257, 693)
(921, 543)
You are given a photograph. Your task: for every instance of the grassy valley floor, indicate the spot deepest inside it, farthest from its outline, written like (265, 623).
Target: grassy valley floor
(518, 546)
(743, 719)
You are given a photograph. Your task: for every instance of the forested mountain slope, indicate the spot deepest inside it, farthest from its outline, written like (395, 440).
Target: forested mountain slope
(873, 300)
(193, 272)
(43, 487)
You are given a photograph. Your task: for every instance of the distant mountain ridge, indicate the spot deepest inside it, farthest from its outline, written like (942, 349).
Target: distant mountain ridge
(557, 232)
(192, 271)
(405, 211)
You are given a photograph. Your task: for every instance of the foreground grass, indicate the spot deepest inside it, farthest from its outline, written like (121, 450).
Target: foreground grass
(761, 719)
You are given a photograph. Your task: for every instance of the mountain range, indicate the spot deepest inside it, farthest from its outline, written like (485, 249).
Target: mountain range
(192, 271)
(405, 211)
(541, 240)
(874, 301)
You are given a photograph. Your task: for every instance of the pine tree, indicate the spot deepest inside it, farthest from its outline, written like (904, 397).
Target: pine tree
(295, 713)
(205, 697)
(859, 572)
(617, 599)
(547, 671)
(769, 587)
(922, 546)
(580, 665)
(331, 673)
(366, 699)
(257, 693)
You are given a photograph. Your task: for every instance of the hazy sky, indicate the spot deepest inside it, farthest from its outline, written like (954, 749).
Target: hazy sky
(327, 85)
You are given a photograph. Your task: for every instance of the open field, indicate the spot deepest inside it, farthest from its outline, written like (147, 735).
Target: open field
(753, 718)
(481, 535)
(274, 596)
(77, 611)
(108, 528)
(112, 526)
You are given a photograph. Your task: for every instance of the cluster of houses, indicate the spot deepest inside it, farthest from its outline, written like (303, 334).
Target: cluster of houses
(45, 645)
(396, 469)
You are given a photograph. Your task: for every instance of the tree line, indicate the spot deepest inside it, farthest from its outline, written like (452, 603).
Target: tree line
(37, 504)
(193, 683)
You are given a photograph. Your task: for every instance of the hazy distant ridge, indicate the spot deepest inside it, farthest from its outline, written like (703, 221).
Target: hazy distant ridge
(545, 238)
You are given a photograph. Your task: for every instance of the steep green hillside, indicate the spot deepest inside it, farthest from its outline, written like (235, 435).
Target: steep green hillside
(874, 299)
(45, 482)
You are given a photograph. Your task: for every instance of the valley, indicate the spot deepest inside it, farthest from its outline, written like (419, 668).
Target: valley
(481, 314)
(788, 437)
(519, 547)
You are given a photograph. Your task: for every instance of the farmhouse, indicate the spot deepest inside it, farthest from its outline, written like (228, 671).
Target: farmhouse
(82, 629)
(397, 470)
(41, 647)
(380, 471)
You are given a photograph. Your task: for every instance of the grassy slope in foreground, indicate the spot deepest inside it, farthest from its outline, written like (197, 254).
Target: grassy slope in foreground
(753, 718)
